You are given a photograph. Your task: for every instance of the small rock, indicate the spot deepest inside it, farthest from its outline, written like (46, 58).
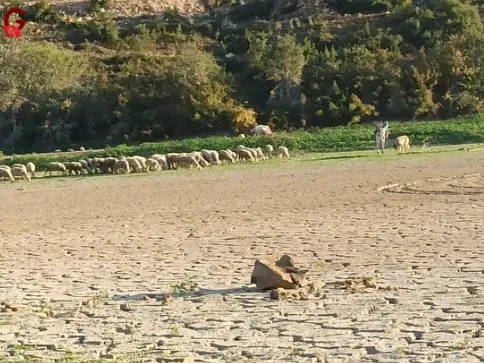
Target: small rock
(126, 307)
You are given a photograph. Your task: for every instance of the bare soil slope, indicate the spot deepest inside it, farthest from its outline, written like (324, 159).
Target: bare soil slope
(131, 8)
(80, 246)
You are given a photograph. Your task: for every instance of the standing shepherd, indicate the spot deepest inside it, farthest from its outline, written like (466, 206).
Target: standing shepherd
(381, 136)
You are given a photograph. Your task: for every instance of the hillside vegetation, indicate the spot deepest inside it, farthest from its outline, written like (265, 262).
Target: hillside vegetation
(92, 79)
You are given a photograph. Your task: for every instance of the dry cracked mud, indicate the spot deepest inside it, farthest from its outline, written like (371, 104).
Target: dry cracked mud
(85, 264)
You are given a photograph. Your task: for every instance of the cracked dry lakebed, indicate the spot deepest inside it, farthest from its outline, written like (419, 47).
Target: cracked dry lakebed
(87, 264)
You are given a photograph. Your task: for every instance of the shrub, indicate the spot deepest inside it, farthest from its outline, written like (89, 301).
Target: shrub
(42, 12)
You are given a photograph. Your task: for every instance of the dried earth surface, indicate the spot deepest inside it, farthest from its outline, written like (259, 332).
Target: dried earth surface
(84, 263)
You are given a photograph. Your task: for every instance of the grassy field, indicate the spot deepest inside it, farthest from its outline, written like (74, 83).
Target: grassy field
(327, 140)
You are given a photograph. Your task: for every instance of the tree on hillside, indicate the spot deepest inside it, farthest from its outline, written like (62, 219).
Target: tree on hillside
(33, 76)
(281, 61)
(437, 20)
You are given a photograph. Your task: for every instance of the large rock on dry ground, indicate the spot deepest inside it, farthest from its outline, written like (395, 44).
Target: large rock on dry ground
(277, 271)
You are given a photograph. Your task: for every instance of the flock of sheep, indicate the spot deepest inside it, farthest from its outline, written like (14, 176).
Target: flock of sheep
(157, 162)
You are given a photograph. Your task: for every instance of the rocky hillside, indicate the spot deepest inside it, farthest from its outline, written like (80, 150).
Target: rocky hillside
(130, 8)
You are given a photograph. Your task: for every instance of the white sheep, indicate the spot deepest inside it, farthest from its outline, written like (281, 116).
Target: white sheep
(254, 153)
(282, 152)
(142, 162)
(121, 166)
(152, 165)
(260, 153)
(268, 149)
(199, 157)
(261, 130)
(19, 166)
(134, 164)
(6, 173)
(207, 155)
(226, 155)
(161, 160)
(31, 168)
(20, 172)
(84, 164)
(215, 157)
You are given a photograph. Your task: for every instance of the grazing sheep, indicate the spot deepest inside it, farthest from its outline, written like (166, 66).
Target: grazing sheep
(207, 155)
(254, 153)
(187, 161)
(70, 150)
(134, 164)
(19, 172)
(282, 152)
(152, 165)
(161, 160)
(96, 165)
(260, 153)
(84, 164)
(142, 162)
(240, 147)
(170, 160)
(108, 164)
(226, 155)
(261, 130)
(6, 173)
(268, 149)
(199, 157)
(55, 166)
(215, 157)
(19, 166)
(233, 153)
(74, 167)
(31, 168)
(402, 143)
(57, 150)
(121, 166)
(82, 148)
(245, 155)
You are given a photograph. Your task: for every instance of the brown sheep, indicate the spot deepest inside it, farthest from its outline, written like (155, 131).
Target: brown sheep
(402, 143)
(74, 167)
(187, 161)
(55, 166)
(245, 154)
